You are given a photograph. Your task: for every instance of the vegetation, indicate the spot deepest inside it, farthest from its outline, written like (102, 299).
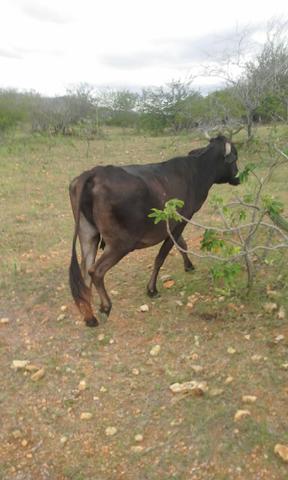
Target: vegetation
(257, 94)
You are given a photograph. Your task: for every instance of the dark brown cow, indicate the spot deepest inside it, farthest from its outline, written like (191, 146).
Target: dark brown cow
(111, 206)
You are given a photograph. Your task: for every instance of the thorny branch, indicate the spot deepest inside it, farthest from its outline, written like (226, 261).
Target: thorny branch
(258, 212)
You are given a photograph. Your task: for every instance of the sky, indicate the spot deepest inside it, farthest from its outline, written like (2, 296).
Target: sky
(52, 45)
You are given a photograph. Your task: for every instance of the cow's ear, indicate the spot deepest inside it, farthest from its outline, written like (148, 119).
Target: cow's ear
(227, 149)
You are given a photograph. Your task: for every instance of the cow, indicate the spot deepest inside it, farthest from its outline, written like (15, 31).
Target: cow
(111, 207)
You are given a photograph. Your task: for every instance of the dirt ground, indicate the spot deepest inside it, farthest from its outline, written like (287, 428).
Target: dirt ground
(102, 408)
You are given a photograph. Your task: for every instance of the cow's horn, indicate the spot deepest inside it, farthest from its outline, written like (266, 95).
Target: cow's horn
(227, 149)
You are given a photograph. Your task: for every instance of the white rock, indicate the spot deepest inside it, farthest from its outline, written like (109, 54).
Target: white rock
(86, 416)
(256, 358)
(61, 317)
(279, 338)
(249, 398)
(282, 451)
(285, 366)
(101, 337)
(137, 449)
(231, 350)
(135, 371)
(228, 380)
(110, 431)
(270, 307)
(144, 308)
(155, 350)
(38, 375)
(82, 385)
(241, 414)
(20, 364)
(281, 314)
(196, 388)
(63, 308)
(164, 278)
(138, 437)
(63, 440)
(4, 320)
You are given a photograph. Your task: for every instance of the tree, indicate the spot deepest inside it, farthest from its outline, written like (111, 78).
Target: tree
(257, 79)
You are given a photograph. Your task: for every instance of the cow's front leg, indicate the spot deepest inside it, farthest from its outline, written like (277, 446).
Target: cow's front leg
(188, 265)
(162, 254)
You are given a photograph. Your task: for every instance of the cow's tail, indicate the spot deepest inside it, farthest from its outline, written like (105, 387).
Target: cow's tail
(80, 292)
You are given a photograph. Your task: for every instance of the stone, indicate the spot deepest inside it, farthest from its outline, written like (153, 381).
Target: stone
(144, 308)
(281, 451)
(281, 313)
(63, 308)
(240, 414)
(155, 350)
(110, 431)
(4, 320)
(61, 317)
(63, 440)
(228, 380)
(256, 358)
(168, 284)
(270, 307)
(38, 375)
(101, 337)
(82, 385)
(17, 434)
(279, 338)
(24, 442)
(164, 278)
(137, 449)
(231, 350)
(249, 398)
(138, 437)
(20, 364)
(135, 371)
(86, 416)
(196, 388)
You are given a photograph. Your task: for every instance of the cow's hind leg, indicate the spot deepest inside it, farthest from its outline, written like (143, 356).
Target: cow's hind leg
(108, 259)
(89, 239)
(188, 265)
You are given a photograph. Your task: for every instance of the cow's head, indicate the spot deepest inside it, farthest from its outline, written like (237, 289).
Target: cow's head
(227, 169)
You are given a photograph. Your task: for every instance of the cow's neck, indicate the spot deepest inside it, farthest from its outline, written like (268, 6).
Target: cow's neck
(206, 177)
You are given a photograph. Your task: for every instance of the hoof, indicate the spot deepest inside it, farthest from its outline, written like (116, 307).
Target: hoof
(105, 310)
(152, 293)
(92, 322)
(189, 268)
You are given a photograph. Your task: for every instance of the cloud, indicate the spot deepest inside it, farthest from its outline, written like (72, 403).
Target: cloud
(184, 52)
(45, 13)
(10, 54)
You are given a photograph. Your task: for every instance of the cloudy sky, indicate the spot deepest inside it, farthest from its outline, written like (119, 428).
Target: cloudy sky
(49, 45)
